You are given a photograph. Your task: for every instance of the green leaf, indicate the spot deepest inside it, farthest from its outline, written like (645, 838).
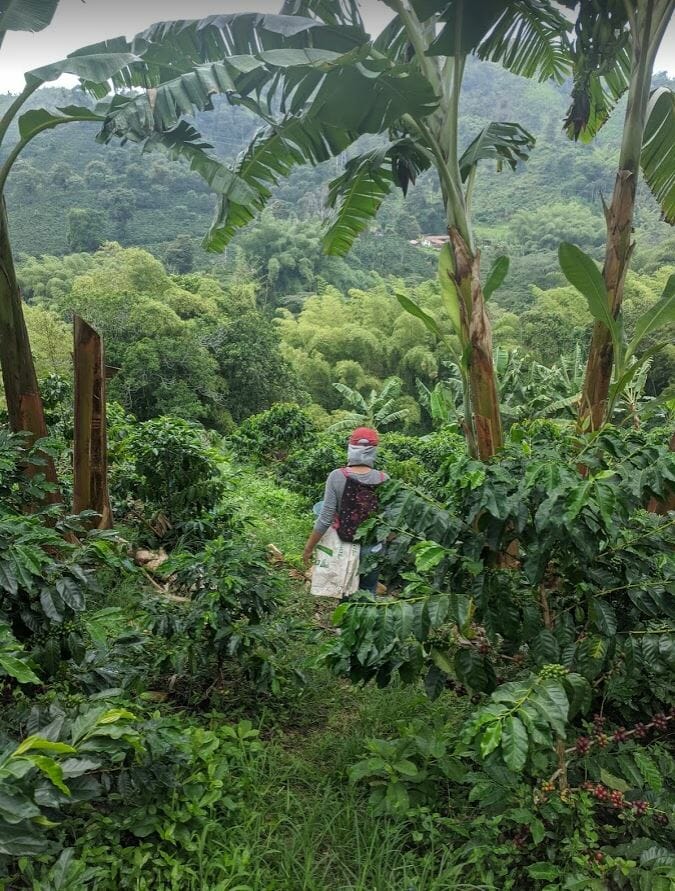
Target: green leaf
(662, 313)
(441, 660)
(18, 668)
(514, 743)
(359, 191)
(40, 744)
(543, 871)
(613, 782)
(406, 767)
(658, 150)
(500, 142)
(428, 555)
(15, 807)
(38, 119)
(496, 276)
(649, 770)
(490, 738)
(26, 15)
(583, 274)
(95, 63)
(411, 307)
(603, 616)
(52, 771)
(49, 605)
(551, 701)
(71, 593)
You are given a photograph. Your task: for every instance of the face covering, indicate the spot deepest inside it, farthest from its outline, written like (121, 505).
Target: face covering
(361, 454)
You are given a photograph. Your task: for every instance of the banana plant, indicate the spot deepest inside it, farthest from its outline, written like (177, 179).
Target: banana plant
(377, 409)
(582, 272)
(300, 72)
(614, 49)
(24, 404)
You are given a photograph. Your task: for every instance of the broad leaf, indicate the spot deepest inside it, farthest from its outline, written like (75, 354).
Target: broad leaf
(26, 15)
(360, 191)
(662, 313)
(581, 271)
(514, 743)
(96, 63)
(16, 667)
(411, 307)
(271, 155)
(658, 151)
(496, 276)
(502, 142)
(38, 119)
(527, 37)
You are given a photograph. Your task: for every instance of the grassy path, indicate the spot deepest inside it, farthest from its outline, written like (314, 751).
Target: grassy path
(308, 829)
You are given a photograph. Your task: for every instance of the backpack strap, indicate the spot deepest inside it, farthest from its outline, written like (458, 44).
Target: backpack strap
(345, 471)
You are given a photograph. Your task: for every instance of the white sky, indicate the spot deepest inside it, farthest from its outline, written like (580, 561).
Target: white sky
(79, 23)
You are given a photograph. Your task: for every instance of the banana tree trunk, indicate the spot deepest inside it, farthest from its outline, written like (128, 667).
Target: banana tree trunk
(90, 464)
(619, 220)
(487, 422)
(24, 405)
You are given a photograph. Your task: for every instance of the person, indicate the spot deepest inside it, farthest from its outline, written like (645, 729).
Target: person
(361, 457)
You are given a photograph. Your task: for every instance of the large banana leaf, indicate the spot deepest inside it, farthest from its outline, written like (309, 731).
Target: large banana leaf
(365, 183)
(26, 15)
(215, 37)
(502, 142)
(331, 12)
(272, 154)
(528, 37)
(184, 142)
(658, 150)
(360, 190)
(99, 63)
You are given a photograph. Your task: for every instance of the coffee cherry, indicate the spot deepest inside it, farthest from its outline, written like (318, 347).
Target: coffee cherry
(616, 799)
(601, 740)
(548, 786)
(599, 720)
(600, 792)
(640, 808)
(582, 745)
(660, 722)
(661, 819)
(598, 856)
(641, 730)
(620, 735)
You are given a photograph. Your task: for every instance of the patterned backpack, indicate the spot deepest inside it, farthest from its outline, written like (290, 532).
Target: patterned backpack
(359, 502)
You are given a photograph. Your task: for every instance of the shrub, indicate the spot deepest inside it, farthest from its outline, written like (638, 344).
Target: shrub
(167, 465)
(272, 434)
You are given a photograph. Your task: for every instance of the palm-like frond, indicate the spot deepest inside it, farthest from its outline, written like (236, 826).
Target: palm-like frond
(366, 181)
(331, 12)
(527, 37)
(658, 151)
(502, 142)
(272, 154)
(353, 398)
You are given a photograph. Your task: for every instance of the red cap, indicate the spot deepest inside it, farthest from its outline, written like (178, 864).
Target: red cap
(364, 436)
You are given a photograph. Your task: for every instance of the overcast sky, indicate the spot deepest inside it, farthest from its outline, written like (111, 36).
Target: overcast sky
(78, 24)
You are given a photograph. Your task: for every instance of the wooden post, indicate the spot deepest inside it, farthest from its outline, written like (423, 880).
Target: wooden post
(90, 447)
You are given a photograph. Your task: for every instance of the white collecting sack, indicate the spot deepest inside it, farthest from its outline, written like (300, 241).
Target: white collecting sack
(336, 567)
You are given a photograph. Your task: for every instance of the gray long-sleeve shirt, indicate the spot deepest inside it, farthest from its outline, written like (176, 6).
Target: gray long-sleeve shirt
(332, 497)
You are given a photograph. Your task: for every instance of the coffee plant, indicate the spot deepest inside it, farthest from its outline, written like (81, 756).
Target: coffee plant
(540, 587)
